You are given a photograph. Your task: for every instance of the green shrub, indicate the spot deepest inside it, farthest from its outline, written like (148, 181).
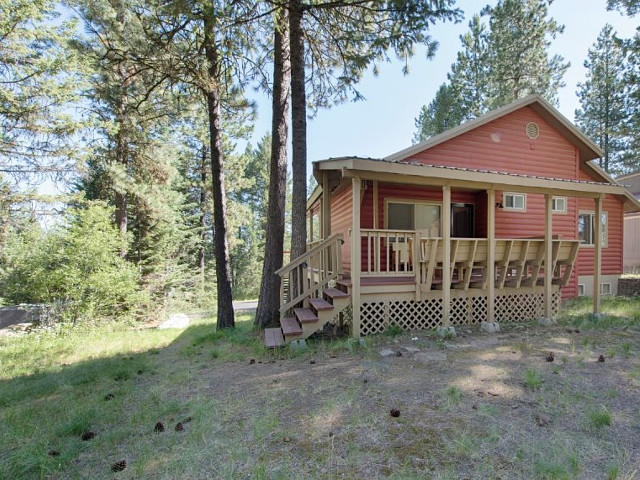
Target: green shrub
(75, 265)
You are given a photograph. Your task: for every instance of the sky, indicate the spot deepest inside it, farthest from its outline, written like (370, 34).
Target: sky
(385, 122)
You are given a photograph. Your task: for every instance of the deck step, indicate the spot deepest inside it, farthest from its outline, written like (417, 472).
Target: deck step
(305, 315)
(290, 326)
(273, 337)
(320, 304)
(335, 293)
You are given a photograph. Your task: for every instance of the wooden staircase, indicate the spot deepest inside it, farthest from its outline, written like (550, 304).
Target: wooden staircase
(308, 301)
(308, 319)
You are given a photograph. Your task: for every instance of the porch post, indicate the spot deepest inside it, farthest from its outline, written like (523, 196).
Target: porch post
(548, 257)
(356, 255)
(597, 254)
(326, 206)
(376, 222)
(491, 255)
(446, 254)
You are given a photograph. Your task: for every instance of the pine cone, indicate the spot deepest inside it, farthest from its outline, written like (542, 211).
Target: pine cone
(119, 466)
(159, 427)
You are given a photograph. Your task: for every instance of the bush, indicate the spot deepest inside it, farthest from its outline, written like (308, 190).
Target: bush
(76, 264)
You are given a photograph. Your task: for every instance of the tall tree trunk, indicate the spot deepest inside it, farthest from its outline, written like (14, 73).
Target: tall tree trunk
(298, 132)
(120, 196)
(269, 302)
(203, 209)
(221, 247)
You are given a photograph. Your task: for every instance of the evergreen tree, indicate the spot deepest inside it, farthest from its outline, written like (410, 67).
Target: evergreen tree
(603, 111)
(346, 37)
(469, 76)
(519, 64)
(630, 7)
(39, 79)
(268, 311)
(443, 113)
(508, 61)
(631, 157)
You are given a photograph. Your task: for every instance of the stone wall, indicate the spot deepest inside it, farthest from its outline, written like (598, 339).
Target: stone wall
(629, 287)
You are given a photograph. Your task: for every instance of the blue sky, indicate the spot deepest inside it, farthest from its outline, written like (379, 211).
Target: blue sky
(384, 122)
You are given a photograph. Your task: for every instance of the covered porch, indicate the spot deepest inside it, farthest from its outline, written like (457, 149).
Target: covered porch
(396, 276)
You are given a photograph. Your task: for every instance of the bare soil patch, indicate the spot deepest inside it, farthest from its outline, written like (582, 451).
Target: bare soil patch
(476, 406)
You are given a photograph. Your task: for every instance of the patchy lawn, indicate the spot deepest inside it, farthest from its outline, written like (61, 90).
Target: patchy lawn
(475, 406)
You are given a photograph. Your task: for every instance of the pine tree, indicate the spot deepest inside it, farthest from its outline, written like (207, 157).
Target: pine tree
(39, 80)
(507, 61)
(520, 34)
(632, 86)
(346, 37)
(603, 112)
(469, 75)
(268, 311)
(630, 7)
(443, 113)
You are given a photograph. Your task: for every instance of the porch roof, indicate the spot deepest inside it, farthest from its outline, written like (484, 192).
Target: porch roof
(392, 171)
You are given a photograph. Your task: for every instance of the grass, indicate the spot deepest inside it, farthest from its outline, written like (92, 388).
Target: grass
(532, 379)
(600, 418)
(325, 412)
(452, 396)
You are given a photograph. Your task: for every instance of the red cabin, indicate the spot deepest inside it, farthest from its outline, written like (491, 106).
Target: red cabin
(492, 221)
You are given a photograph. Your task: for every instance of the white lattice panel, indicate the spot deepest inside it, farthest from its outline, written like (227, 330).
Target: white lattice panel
(375, 317)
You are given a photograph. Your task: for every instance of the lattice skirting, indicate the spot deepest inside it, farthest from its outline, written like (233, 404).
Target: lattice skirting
(375, 317)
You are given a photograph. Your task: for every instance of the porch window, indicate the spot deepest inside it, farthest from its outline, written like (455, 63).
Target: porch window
(559, 204)
(586, 228)
(515, 201)
(413, 216)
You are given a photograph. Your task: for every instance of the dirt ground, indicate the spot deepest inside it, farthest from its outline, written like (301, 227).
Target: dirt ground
(476, 406)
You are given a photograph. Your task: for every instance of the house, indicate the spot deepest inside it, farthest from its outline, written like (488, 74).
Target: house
(631, 232)
(494, 220)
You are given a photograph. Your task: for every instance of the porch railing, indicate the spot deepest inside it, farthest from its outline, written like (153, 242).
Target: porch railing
(307, 275)
(518, 262)
(388, 252)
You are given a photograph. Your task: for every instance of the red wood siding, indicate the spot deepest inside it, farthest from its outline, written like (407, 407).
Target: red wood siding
(612, 253)
(502, 145)
(341, 220)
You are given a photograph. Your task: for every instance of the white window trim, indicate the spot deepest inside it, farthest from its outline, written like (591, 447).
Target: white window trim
(565, 205)
(514, 209)
(602, 288)
(606, 226)
(409, 201)
(581, 290)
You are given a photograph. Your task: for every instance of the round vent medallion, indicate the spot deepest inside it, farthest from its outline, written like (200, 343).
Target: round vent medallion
(532, 130)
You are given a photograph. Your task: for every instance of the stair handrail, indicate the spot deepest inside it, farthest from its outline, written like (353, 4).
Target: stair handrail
(305, 256)
(304, 263)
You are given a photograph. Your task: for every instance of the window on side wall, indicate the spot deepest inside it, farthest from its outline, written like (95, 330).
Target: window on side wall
(409, 215)
(587, 228)
(514, 201)
(559, 204)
